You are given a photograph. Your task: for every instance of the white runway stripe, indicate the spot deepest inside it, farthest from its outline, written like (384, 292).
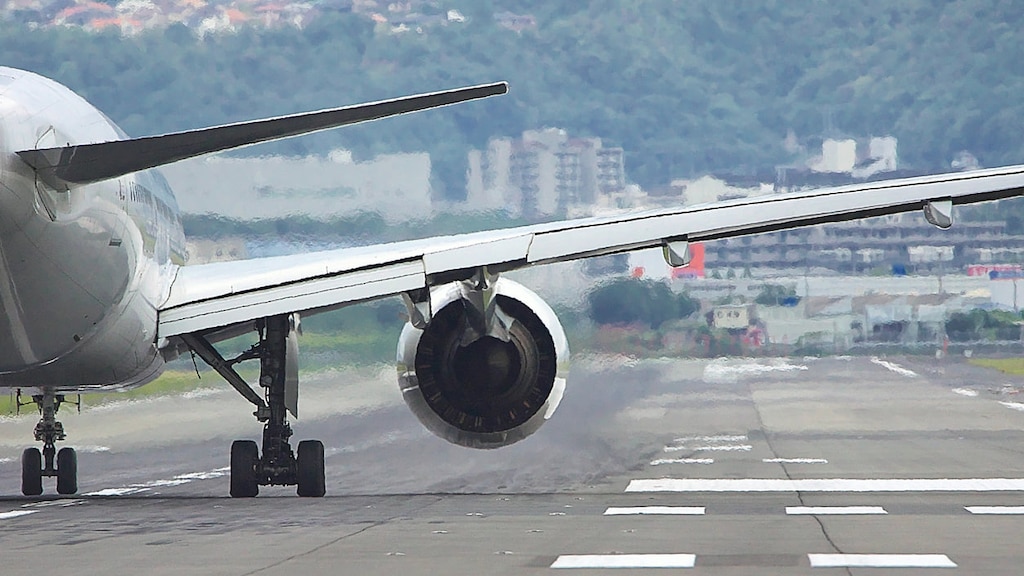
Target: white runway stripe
(965, 392)
(656, 510)
(995, 509)
(833, 510)
(721, 438)
(880, 561)
(1013, 405)
(661, 461)
(794, 461)
(894, 367)
(625, 561)
(724, 448)
(15, 514)
(827, 485)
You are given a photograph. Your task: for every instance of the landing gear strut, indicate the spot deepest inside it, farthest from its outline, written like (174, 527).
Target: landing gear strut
(279, 465)
(35, 464)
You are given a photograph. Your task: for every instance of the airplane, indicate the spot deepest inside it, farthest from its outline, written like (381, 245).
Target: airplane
(95, 292)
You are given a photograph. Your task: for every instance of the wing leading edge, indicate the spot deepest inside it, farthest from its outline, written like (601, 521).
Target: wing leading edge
(212, 296)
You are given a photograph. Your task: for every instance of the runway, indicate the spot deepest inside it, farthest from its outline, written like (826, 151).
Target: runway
(851, 465)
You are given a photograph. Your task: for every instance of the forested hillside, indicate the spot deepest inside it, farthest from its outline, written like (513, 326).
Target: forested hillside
(684, 87)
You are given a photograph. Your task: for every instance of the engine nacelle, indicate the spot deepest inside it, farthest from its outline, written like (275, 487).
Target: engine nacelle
(490, 393)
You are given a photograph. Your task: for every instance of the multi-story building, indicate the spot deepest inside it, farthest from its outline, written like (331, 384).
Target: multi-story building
(544, 172)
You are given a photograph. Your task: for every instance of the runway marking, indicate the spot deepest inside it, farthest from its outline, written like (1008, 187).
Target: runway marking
(894, 367)
(833, 510)
(625, 561)
(720, 438)
(16, 513)
(116, 491)
(175, 481)
(661, 461)
(725, 448)
(656, 510)
(1013, 405)
(826, 485)
(794, 461)
(50, 503)
(880, 561)
(995, 509)
(721, 372)
(965, 392)
(711, 448)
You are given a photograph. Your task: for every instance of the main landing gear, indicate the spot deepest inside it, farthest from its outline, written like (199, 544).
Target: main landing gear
(278, 466)
(35, 464)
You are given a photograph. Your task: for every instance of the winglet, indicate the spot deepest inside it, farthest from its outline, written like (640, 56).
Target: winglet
(87, 163)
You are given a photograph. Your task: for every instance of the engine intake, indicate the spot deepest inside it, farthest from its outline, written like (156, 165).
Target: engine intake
(489, 393)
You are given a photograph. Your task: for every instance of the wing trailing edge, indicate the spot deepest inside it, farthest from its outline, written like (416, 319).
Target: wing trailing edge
(86, 163)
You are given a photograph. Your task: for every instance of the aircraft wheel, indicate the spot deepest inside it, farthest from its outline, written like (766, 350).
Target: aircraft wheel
(31, 472)
(311, 469)
(67, 471)
(245, 457)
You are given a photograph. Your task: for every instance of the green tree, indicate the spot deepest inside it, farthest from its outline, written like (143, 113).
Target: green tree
(632, 301)
(774, 294)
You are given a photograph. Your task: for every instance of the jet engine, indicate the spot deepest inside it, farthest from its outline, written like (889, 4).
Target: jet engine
(489, 390)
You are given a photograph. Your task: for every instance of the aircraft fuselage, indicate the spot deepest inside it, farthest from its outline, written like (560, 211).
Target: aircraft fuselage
(82, 269)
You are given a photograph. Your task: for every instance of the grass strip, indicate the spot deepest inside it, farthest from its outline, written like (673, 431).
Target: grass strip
(1012, 366)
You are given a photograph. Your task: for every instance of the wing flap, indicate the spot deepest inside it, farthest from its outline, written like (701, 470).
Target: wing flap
(308, 294)
(87, 163)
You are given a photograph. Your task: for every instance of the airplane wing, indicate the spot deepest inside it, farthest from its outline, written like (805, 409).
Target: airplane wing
(85, 163)
(214, 296)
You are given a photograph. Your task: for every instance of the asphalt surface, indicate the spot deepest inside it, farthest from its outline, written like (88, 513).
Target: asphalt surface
(762, 466)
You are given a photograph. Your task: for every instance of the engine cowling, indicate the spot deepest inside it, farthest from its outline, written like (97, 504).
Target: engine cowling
(489, 393)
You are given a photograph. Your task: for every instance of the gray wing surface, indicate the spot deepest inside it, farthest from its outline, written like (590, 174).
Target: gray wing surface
(85, 163)
(211, 296)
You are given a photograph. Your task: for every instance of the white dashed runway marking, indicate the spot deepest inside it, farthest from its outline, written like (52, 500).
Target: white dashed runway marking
(62, 503)
(707, 439)
(880, 561)
(995, 509)
(894, 367)
(1013, 405)
(656, 510)
(794, 461)
(15, 514)
(724, 448)
(625, 561)
(719, 443)
(827, 485)
(833, 510)
(147, 486)
(661, 461)
(965, 392)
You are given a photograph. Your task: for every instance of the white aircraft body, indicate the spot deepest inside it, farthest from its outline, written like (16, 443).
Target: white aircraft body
(94, 293)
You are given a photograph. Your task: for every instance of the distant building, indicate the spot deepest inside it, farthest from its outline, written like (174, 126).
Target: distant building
(859, 159)
(543, 172)
(733, 316)
(836, 156)
(397, 186)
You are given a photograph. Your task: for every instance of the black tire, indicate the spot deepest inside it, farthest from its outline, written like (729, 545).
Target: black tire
(245, 457)
(31, 472)
(67, 471)
(311, 469)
